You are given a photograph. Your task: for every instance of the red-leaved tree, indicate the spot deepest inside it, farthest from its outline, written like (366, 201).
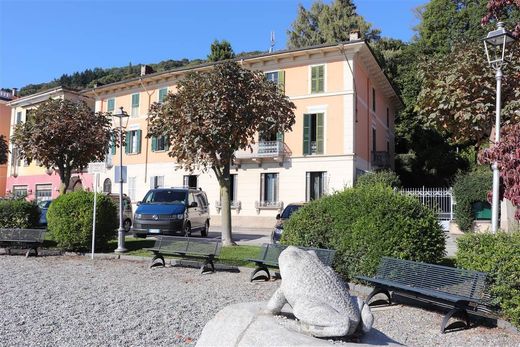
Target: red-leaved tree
(501, 10)
(507, 155)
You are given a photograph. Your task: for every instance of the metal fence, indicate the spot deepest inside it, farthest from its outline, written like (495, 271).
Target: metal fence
(438, 199)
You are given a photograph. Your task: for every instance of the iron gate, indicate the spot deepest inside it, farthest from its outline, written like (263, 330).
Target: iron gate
(438, 199)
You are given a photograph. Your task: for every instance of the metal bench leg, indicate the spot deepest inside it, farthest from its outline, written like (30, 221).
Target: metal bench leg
(463, 313)
(378, 290)
(158, 257)
(257, 270)
(28, 254)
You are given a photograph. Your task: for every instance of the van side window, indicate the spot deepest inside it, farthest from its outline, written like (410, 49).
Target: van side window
(191, 199)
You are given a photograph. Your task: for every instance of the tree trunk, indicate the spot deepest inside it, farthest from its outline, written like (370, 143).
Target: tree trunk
(223, 180)
(65, 180)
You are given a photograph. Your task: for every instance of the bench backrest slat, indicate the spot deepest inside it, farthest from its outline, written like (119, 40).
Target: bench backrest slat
(460, 282)
(22, 235)
(187, 245)
(270, 253)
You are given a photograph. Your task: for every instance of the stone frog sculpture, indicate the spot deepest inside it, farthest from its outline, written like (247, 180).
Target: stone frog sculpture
(319, 297)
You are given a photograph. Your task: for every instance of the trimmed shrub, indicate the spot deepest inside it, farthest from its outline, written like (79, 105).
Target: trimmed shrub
(387, 178)
(470, 188)
(365, 223)
(69, 221)
(499, 256)
(18, 213)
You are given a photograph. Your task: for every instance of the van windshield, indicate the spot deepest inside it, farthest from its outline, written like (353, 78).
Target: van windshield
(164, 196)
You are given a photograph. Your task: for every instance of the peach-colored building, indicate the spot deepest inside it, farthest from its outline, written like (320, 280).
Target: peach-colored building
(344, 127)
(5, 125)
(30, 180)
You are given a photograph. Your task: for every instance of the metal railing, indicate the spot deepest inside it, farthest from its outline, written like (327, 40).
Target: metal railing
(380, 159)
(439, 200)
(262, 149)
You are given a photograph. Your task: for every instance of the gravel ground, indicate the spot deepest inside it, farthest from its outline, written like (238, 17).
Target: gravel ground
(73, 301)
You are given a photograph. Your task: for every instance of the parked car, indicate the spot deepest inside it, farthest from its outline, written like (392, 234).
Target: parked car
(281, 218)
(127, 210)
(43, 206)
(170, 211)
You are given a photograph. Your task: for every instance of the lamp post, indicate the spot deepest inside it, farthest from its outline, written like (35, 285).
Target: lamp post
(121, 231)
(495, 45)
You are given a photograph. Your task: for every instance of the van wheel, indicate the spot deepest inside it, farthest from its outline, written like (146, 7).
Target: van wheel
(127, 224)
(187, 230)
(204, 232)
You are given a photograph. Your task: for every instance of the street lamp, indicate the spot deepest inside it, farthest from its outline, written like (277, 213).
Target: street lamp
(495, 45)
(121, 231)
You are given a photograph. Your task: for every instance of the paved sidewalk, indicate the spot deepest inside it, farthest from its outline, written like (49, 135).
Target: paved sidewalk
(245, 236)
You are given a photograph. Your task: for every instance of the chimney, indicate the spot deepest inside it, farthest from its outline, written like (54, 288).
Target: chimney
(146, 69)
(354, 35)
(14, 92)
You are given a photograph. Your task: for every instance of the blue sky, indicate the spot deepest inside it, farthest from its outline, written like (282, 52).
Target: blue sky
(41, 40)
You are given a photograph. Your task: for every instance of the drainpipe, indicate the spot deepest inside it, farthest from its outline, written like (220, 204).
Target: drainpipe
(147, 126)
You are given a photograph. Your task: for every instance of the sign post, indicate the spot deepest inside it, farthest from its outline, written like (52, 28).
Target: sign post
(96, 169)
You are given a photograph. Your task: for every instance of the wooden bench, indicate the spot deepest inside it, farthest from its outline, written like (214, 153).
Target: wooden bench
(22, 238)
(270, 252)
(188, 247)
(458, 289)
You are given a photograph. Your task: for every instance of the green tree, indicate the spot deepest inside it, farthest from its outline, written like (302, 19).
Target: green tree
(215, 113)
(63, 135)
(328, 23)
(4, 150)
(459, 92)
(221, 51)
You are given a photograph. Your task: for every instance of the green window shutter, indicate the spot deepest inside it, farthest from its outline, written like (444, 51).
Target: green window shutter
(111, 105)
(128, 141)
(314, 77)
(112, 145)
(321, 78)
(319, 133)
(162, 94)
(279, 136)
(135, 100)
(306, 134)
(138, 149)
(281, 81)
(154, 143)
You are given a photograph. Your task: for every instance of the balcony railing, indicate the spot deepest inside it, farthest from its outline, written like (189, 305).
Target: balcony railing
(380, 159)
(235, 205)
(275, 150)
(268, 205)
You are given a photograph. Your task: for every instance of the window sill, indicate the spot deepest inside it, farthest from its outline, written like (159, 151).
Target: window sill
(131, 154)
(235, 205)
(160, 151)
(265, 205)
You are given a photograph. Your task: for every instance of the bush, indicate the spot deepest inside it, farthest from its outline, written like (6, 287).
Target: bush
(18, 213)
(385, 177)
(499, 256)
(69, 220)
(470, 188)
(365, 223)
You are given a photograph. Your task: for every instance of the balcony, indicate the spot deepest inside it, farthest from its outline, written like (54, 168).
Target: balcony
(235, 205)
(263, 151)
(380, 159)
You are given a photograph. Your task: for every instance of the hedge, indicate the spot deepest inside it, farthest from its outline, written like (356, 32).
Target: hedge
(69, 221)
(385, 177)
(467, 189)
(499, 256)
(365, 223)
(18, 213)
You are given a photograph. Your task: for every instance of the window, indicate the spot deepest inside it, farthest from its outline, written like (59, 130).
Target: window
(272, 76)
(135, 105)
(318, 79)
(191, 181)
(107, 186)
(388, 146)
(387, 117)
(156, 182)
(133, 142)
(313, 133)
(232, 188)
(112, 144)
(373, 100)
(315, 186)
(163, 92)
(18, 117)
(131, 188)
(111, 105)
(374, 140)
(278, 78)
(19, 191)
(160, 143)
(28, 115)
(43, 192)
(269, 188)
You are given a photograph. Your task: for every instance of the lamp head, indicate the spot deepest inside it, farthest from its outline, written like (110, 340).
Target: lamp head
(496, 43)
(123, 116)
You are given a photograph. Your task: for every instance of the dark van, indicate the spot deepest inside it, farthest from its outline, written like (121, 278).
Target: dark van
(170, 211)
